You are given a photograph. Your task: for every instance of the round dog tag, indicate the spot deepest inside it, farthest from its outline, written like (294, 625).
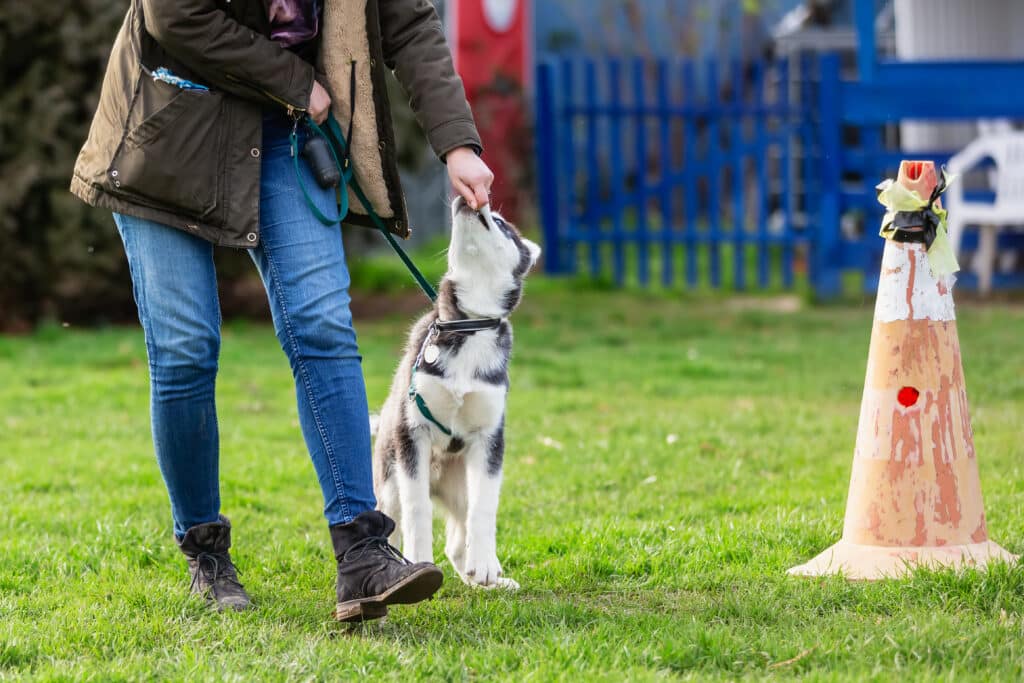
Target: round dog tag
(431, 353)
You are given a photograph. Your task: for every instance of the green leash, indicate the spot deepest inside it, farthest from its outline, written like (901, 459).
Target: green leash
(425, 411)
(414, 395)
(336, 140)
(346, 176)
(339, 150)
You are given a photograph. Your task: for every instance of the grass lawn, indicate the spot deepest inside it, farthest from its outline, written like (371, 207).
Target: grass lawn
(668, 459)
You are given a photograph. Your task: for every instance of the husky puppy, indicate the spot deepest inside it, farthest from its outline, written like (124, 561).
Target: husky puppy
(442, 429)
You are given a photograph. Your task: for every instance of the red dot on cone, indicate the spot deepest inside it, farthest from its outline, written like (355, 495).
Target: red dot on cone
(907, 396)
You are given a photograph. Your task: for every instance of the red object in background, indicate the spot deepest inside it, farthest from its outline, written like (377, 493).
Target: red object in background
(489, 39)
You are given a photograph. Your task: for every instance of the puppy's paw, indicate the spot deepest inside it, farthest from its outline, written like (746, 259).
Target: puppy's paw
(486, 573)
(504, 583)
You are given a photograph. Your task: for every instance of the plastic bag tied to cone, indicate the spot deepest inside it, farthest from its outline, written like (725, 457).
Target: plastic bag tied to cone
(899, 198)
(915, 496)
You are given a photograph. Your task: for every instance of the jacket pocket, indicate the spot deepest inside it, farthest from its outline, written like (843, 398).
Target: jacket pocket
(171, 155)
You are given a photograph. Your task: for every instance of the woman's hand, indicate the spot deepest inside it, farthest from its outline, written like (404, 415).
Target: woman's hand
(319, 103)
(470, 176)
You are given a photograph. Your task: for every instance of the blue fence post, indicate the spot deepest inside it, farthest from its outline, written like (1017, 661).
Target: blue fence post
(826, 238)
(567, 145)
(593, 186)
(738, 144)
(665, 174)
(789, 123)
(691, 159)
(867, 59)
(809, 184)
(874, 170)
(641, 153)
(714, 158)
(617, 185)
(547, 175)
(761, 173)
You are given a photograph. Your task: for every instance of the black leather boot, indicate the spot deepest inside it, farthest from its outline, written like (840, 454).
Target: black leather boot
(213, 574)
(372, 574)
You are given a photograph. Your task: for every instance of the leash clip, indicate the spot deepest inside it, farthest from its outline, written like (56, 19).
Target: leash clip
(293, 139)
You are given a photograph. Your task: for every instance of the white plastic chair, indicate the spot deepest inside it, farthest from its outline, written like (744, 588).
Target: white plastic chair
(1006, 149)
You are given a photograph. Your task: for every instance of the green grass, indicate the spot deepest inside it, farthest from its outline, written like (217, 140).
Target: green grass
(668, 459)
(380, 271)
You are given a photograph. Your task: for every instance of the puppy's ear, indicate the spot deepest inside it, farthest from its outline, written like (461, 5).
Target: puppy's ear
(534, 250)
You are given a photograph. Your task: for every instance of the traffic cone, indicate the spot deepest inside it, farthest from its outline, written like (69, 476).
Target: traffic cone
(915, 497)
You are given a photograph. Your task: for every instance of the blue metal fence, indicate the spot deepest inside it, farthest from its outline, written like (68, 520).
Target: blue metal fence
(719, 175)
(669, 166)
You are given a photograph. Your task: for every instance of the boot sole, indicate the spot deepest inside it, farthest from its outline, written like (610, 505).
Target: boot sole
(355, 611)
(414, 588)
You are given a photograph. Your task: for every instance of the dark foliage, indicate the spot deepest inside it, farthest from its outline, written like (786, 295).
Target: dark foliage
(60, 259)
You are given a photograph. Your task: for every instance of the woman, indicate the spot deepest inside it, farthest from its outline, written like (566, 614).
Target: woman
(190, 149)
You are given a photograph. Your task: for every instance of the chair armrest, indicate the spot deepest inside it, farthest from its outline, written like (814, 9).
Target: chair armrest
(975, 151)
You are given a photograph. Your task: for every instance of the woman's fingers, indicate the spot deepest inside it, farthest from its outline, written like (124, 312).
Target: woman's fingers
(319, 103)
(465, 191)
(470, 176)
(481, 194)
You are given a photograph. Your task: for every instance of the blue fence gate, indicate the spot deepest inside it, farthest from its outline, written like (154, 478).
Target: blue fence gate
(673, 171)
(735, 176)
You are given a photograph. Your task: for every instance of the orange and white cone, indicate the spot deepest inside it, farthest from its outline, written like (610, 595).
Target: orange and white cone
(915, 496)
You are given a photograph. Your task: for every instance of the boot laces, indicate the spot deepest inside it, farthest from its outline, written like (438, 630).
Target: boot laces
(214, 567)
(373, 544)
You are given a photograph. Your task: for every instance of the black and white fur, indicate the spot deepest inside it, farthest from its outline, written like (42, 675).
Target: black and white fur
(465, 389)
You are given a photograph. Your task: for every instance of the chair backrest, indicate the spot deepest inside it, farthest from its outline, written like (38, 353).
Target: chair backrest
(994, 126)
(1010, 172)
(1006, 149)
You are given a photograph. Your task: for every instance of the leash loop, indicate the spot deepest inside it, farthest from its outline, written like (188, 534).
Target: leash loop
(343, 207)
(339, 143)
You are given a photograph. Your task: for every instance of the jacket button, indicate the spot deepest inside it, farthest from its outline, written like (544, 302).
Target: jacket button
(117, 183)
(113, 174)
(381, 145)
(373, 63)
(255, 152)
(251, 237)
(191, 226)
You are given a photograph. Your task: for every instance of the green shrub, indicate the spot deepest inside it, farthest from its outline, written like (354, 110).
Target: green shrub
(60, 259)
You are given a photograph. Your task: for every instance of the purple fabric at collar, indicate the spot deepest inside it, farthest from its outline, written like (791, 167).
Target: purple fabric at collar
(293, 21)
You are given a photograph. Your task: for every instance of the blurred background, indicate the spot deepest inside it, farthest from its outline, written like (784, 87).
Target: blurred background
(671, 144)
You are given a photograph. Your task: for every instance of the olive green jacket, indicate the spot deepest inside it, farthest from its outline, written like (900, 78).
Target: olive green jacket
(191, 158)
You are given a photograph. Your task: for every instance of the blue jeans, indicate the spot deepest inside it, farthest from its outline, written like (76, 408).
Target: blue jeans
(302, 264)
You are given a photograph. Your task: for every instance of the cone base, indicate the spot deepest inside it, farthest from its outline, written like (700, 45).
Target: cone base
(872, 562)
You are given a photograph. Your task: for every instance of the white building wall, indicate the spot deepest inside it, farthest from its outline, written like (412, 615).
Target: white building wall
(957, 30)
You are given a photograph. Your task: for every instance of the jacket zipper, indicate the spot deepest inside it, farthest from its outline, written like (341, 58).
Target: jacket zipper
(291, 108)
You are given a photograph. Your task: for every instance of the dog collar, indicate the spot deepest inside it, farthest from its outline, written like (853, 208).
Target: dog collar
(468, 325)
